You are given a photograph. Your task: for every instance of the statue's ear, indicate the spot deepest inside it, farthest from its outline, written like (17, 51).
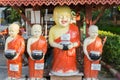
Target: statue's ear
(73, 13)
(17, 31)
(53, 18)
(88, 32)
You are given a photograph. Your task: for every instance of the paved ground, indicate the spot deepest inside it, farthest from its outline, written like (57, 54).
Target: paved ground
(3, 67)
(3, 70)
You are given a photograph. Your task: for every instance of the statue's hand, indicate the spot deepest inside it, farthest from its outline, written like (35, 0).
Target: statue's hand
(15, 57)
(31, 57)
(70, 46)
(60, 46)
(89, 57)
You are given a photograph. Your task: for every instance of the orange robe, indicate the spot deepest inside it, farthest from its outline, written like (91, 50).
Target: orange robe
(61, 59)
(40, 44)
(18, 45)
(94, 46)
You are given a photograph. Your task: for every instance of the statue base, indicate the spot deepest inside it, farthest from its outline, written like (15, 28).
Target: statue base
(72, 77)
(64, 74)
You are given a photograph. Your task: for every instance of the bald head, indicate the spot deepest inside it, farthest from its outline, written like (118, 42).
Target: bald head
(36, 26)
(93, 31)
(36, 30)
(14, 26)
(59, 9)
(61, 12)
(13, 29)
(93, 27)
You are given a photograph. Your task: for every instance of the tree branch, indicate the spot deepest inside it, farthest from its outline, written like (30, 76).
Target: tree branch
(98, 17)
(22, 15)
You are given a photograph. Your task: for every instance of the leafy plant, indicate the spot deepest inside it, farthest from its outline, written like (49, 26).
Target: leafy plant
(111, 50)
(108, 26)
(12, 15)
(119, 8)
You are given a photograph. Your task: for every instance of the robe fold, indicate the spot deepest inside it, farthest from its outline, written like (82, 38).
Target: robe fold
(62, 60)
(19, 46)
(94, 46)
(40, 44)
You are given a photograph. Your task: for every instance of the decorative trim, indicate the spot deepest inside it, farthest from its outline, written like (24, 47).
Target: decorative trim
(56, 2)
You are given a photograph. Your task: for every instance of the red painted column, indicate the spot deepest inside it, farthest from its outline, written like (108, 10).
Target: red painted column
(88, 17)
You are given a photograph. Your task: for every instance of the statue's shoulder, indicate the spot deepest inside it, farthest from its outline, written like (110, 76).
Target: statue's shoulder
(20, 37)
(73, 27)
(43, 38)
(86, 39)
(99, 39)
(53, 28)
(30, 39)
(8, 38)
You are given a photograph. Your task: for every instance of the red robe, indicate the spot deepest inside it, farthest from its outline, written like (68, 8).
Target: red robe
(40, 44)
(94, 46)
(62, 60)
(18, 45)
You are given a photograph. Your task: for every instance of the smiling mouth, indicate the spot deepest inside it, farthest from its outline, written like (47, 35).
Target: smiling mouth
(63, 21)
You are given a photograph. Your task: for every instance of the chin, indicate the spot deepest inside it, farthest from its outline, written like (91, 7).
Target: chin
(12, 36)
(36, 36)
(65, 25)
(93, 37)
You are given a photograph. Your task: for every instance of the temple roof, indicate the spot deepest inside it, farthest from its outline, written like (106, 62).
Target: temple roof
(56, 2)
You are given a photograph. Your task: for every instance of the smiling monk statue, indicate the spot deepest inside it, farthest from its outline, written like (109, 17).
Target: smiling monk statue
(92, 48)
(14, 45)
(36, 48)
(64, 38)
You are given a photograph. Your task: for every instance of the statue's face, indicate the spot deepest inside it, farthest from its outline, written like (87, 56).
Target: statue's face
(93, 32)
(64, 19)
(13, 31)
(36, 32)
(62, 16)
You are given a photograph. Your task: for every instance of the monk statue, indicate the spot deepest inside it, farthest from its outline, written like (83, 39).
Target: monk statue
(92, 48)
(64, 37)
(14, 49)
(36, 48)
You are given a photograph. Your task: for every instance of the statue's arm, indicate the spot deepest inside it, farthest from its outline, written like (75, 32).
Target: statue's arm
(6, 44)
(85, 44)
(28, 47)
(52, 42)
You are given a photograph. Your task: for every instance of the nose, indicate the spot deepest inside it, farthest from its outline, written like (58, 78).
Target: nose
(63, 17)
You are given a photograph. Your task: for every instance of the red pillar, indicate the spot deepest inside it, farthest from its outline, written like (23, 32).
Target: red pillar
(88, 17)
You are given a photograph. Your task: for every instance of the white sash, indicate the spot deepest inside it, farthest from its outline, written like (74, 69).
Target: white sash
(65, 37)
(39, 66)
(14, 67)
(96, 67)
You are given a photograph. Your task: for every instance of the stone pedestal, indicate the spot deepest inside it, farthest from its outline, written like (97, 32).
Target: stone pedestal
(73, 77)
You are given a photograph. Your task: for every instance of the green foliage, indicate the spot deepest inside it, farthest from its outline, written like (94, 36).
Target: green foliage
(13, 15)
(111, 49)
(109, 27)
(119, 8)
(95, 14)
(105, 16)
